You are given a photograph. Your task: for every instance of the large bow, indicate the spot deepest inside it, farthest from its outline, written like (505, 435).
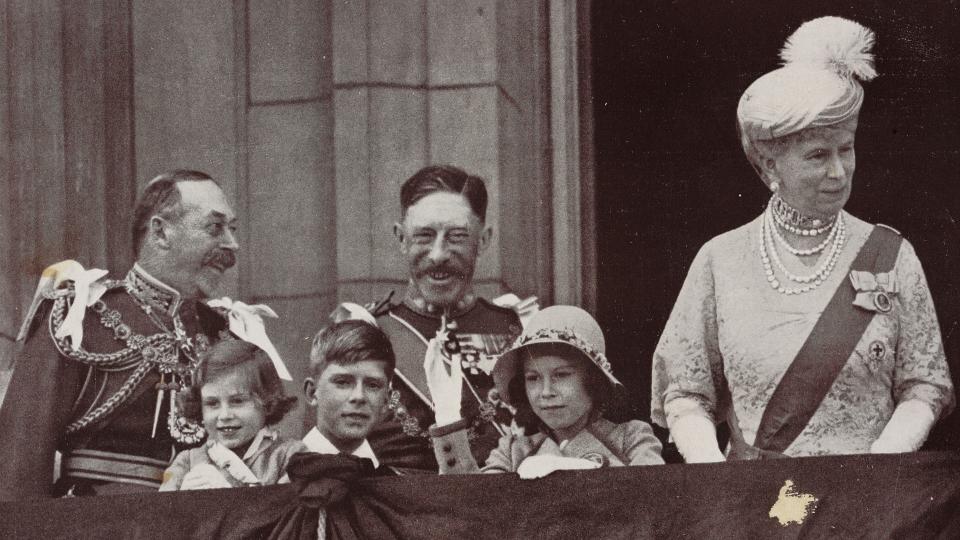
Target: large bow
(324, 510)
(86, 292)
(246, 322)
(874, 290)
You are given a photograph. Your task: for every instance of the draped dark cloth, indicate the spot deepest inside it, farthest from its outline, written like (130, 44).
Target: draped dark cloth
(331, 482)
(894, 496)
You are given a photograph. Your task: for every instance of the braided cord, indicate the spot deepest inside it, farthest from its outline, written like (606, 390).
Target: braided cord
(113, 402)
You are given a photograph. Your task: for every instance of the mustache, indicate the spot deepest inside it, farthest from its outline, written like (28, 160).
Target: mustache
(223, 258)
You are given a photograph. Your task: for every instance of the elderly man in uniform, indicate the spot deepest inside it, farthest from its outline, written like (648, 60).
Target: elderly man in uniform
(441, 234)
(101, 359)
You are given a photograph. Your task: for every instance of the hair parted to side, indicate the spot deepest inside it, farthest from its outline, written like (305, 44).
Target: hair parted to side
(255, 367)
(601, 391)
(445, 178)
(349, 342)
(161, 197)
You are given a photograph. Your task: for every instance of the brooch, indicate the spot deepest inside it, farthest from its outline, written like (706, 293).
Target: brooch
(875, 292)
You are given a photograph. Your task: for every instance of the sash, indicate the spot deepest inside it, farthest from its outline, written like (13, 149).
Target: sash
(827, 349)
(409, 346)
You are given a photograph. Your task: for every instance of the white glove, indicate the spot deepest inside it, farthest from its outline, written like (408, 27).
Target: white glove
(540, 466)
(204, 476)
(446, 388)
(907, 429)
(696, 439)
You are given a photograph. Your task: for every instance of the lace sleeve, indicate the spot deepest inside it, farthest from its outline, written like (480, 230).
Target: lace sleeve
(921, 370)
(687, 365)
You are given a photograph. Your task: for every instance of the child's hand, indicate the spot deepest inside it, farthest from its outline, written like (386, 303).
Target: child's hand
(446, 388)
(540, 466)
(204, 477)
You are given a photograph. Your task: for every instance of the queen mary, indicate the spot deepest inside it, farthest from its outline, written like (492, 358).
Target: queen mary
(809, 331)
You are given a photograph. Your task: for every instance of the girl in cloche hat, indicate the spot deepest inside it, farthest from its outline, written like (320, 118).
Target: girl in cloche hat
(557, 378)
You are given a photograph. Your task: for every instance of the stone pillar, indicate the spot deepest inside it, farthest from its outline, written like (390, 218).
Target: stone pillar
(65, 125)
(433, 81)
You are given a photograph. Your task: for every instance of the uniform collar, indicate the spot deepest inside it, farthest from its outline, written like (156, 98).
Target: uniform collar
(153, 292)
(418, 304)
(316, 442)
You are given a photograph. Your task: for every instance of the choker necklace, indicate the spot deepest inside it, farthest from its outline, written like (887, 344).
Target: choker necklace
(803, 252)
(768, 251)
(793, 221)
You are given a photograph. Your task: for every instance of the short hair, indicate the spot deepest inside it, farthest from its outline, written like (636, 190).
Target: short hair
(445, 178)
(349, 342)
(160, 197)
(256, 369)
(601, 391)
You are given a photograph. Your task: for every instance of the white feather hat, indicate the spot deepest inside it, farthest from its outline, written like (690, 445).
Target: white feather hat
(817, 85)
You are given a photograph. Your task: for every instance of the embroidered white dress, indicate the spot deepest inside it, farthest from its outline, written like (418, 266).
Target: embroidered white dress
(730, 329)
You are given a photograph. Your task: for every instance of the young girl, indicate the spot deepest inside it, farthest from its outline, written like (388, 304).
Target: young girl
(558, 379)
(237, 395)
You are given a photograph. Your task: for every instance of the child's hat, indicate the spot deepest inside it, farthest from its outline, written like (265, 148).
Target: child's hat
(567, 325)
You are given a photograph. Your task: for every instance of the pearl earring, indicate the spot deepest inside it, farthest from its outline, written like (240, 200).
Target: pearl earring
(774, 186)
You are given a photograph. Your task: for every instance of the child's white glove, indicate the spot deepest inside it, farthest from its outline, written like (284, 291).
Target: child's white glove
(204, 476)
(540, 466)
(446, 387)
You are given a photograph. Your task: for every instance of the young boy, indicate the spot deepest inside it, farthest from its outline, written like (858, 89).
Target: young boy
(352, 363)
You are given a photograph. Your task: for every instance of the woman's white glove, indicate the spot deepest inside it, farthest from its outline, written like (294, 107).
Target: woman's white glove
(446, 386)
(696, 439)
(540, 466)
(204, 476)
(907, 429)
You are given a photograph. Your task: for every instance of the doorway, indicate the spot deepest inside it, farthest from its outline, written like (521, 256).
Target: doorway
(670, 173)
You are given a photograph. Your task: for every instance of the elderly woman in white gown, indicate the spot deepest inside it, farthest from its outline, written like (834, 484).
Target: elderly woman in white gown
(809, 331)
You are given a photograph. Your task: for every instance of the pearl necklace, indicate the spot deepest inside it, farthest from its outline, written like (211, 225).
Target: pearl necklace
(805, 252)
(810, 282)
(792, 220)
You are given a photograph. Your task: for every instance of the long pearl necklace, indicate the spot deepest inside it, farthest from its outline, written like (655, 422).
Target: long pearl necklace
(768, 251)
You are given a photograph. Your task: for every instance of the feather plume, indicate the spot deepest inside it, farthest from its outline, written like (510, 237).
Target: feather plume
(832, 43)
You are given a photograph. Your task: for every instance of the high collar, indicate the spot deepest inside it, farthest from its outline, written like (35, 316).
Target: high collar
(153, 292)
(316, 442)
(416, 302)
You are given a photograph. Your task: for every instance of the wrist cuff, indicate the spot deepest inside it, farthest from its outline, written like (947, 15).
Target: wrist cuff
(446, 429)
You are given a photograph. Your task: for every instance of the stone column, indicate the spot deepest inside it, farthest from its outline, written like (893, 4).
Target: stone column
(434, 81)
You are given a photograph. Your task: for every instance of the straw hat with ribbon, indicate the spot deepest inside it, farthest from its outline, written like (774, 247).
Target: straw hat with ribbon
(567, 325)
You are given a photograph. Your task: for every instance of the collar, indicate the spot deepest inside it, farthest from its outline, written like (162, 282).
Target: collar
(265, 434)
(316, 442)
(153, 292)
(416, 302)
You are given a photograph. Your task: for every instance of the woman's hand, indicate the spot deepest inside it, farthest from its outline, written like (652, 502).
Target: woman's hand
(204, 476)
(696, 439)
(446, 386)
(907, 429)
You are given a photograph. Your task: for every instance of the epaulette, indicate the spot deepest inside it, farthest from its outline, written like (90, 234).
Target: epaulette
(66, 294)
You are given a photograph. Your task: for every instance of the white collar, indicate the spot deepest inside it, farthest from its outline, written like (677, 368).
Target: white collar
(316, 442)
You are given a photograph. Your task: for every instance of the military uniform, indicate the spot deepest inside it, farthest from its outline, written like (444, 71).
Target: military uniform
(480, 332)
(98, 403)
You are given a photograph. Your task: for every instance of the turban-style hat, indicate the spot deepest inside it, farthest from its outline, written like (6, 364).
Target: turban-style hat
(817, 85)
